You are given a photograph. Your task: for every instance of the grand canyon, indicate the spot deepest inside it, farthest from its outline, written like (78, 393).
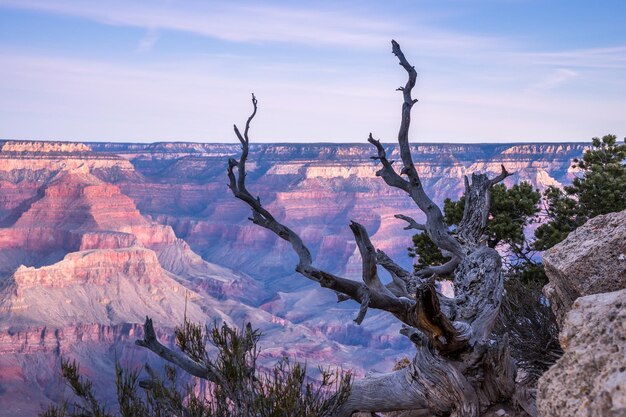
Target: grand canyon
(94, 237)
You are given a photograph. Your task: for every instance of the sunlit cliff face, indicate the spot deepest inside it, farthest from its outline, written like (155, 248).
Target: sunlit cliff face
(94, 237)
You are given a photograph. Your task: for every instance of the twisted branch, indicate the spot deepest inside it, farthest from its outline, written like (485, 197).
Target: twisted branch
(402, 284)
(440, 270)
(376, 296)
(435, 225)
(503, 174)
(476, 211)
(150, 341)
(412, 224)
(387, 172)
(425, 314)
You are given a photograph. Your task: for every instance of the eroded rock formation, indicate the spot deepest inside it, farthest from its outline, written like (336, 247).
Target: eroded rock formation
(590, 378)
(591, 260)
(91, 239)
(587, 290)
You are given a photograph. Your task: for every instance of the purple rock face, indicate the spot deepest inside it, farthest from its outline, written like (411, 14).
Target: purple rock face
(317, 189)
(79, 222)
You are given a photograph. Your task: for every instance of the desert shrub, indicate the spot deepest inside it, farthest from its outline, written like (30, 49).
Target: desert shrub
(243, 388)
(527, 318)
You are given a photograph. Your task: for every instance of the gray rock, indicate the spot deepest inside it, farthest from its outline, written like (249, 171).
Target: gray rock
(591, 260)
(590, 378)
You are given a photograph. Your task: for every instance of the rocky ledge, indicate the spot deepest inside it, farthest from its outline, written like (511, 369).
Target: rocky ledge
(591, 260)
(587, 290)
(590, 378)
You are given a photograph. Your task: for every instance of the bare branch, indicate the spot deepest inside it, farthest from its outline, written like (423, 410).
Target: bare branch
(386, 262)
(378, 296)
(183, 361)
(365, 302)
(261, 216)
(407, 105)
(244, 149)
(440, 270)
(412, 223)
(403, 134)
(435, 225)
(453, 372)
(387, 173)
(401, 308)
(500, 176)
(397, 287)
(401, 284)
(368, 255)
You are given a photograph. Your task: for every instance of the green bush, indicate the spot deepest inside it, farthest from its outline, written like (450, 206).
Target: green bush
(243, 390)
(599, 189)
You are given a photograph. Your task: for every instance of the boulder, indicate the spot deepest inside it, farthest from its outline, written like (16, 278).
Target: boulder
(590, 378)
(591, 260)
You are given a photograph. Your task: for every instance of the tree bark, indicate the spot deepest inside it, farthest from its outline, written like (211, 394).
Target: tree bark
(459, 369)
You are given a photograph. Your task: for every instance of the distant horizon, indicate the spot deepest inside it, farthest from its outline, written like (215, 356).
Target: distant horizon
(365, 143)
(489, 71)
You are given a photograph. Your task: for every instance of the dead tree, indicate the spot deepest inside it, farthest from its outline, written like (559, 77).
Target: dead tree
(459, 368)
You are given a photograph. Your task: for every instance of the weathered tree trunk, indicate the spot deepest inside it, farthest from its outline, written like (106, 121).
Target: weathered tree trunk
(463, 380)
(459, 368)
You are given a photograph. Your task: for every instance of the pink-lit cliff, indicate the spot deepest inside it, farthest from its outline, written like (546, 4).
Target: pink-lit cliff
(94, 237)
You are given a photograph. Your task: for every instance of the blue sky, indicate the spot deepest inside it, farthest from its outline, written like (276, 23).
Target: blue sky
(489, 71)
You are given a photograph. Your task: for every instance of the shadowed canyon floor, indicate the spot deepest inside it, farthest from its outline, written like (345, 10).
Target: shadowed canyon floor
(95, 236)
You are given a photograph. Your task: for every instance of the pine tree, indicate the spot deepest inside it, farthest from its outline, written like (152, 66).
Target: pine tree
(599, 189)
(512, 209)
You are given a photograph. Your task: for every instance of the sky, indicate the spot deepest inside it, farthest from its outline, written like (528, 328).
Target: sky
(489, 71)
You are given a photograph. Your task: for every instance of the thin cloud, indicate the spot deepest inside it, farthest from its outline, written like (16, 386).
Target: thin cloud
(491, 87)
(147, 42)
(222, 21)
(607, 58)
(555, 79)
(259, 24)
(100, 100)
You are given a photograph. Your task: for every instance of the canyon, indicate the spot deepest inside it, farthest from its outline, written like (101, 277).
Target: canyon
(94, 237)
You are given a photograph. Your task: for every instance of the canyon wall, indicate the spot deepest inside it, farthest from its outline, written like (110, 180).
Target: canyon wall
(95, 236)
(316, 188)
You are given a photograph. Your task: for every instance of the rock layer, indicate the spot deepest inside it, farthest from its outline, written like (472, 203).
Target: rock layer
(93, 237)
(315, 188)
